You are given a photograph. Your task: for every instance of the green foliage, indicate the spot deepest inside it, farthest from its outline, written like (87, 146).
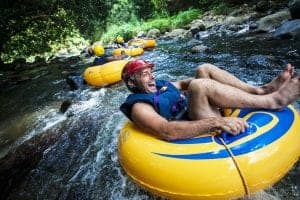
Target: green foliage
(130, 29)
(160, 7)
(29, 28)
(219, 7)
(185, 17)
(163, 24)
(34, 27)
(143, 9)
(39, 36)
(222, 9)
(128, 24)
(175, 6)
(87, 14)
(121, 11)
(205, 4)
(126, 31)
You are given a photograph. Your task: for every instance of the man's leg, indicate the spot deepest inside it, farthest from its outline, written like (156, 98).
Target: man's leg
(206, 96)
(212, 72)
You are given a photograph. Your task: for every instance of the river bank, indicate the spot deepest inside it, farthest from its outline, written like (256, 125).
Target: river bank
(276, 21)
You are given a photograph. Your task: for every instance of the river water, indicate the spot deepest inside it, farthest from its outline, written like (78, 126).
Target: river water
(82, 163)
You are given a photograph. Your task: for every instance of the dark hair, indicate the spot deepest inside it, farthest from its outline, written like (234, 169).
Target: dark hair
(131, 88)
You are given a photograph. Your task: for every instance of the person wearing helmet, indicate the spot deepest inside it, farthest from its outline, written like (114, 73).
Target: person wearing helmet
(99, 50)
(187, 108)
(87, 52)
(102, 58)
(120, 42)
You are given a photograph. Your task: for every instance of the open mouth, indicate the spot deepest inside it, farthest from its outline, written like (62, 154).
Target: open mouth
(152, 86)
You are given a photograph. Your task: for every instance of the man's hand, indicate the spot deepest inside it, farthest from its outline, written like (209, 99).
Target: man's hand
(233, 125)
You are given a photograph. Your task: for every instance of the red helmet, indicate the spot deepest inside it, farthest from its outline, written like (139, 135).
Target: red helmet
(133, 66)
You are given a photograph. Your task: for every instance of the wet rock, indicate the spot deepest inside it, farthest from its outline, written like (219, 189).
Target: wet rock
(253, 26)
(176, 33)
(199, 49)
(197, 26)
(290, 29)
(294, 7)
(236, 20)
(141, 34)
(153, 33)
(270, 22)
(188, 34)
(18, 163)
(202, 34)
(65, 106)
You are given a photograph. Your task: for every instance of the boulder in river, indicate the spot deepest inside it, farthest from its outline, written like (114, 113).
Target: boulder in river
(270, 22)
(65, 105)
(153, 33)
(290, 29)
(18, 163)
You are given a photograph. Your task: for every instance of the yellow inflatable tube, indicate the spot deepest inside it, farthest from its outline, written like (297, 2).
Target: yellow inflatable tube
(210, 166)
(135, 51)
(105, 74)
(143, 43)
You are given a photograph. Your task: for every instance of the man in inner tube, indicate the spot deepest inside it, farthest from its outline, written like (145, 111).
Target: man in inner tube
(187, 108)
(102, 58)
(76, 81)
(120, 42)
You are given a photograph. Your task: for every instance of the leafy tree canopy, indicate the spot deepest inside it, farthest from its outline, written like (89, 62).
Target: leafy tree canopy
(33, 27)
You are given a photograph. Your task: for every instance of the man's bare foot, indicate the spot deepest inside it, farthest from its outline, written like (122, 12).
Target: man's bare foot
(288, 93)
(279, 81)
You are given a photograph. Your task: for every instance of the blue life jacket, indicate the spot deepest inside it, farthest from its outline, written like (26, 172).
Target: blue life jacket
(100, 60)
(167, 101)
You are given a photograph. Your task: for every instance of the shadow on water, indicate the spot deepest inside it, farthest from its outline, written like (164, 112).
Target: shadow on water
(80, 161)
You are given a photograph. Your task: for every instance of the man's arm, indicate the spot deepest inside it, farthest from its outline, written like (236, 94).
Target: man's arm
(144, 116)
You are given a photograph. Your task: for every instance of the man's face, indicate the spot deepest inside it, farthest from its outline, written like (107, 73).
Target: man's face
(145, 80)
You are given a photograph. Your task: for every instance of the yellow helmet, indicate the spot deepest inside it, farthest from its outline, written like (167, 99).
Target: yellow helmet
(120, 39)
(98, 50)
